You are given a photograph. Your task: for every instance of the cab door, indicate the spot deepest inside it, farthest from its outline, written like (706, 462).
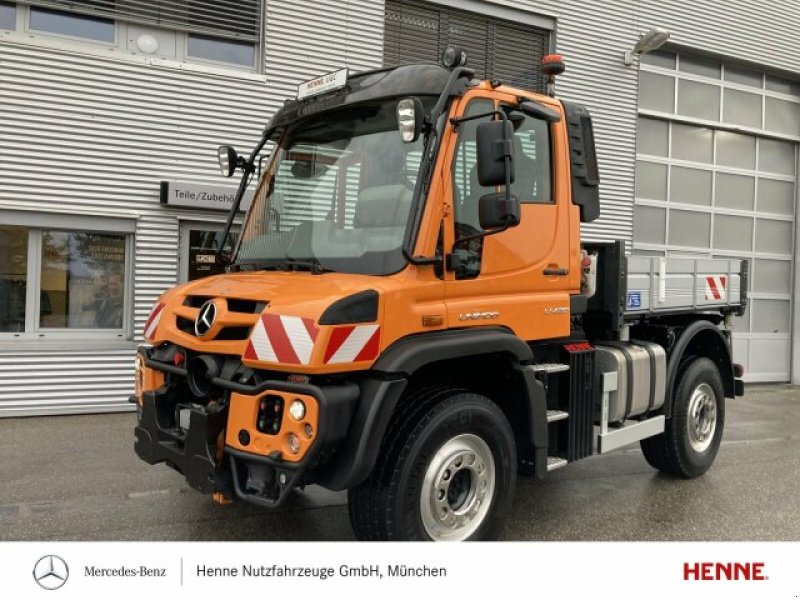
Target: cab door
(519, 278)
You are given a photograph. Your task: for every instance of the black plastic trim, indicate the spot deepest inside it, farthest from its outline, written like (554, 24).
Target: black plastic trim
(583, 161)
(292, 471)
(361, 307)
(356, 456)
(192, 454)
(537, 426)
(724, 363)
(379, 396)
(415, 351)
(578, 304)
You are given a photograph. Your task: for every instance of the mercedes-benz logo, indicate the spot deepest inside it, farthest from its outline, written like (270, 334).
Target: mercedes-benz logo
(50, 572)
(205, 318)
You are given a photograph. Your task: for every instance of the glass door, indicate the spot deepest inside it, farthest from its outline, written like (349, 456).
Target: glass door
(199, 244)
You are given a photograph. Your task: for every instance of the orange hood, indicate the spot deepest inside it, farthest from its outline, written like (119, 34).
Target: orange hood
(270, 319)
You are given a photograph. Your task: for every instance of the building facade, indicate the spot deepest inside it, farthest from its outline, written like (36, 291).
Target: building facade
(110, 113)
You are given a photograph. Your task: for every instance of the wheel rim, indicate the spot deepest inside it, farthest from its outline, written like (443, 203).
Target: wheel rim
(458, 488)
(702, 419)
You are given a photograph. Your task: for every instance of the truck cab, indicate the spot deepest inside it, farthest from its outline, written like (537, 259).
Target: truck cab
(409, 314)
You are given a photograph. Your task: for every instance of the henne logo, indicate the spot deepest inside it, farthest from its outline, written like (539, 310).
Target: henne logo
(205, 318)
(50, 572)
(731, 571)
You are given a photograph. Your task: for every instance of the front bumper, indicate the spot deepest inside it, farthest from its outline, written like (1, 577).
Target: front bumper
(193, 451)
(201, 454)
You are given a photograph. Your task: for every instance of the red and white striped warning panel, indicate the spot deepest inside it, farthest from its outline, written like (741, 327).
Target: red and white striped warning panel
(353, 343)
(278, 338)
(152, 322)
(716, 288)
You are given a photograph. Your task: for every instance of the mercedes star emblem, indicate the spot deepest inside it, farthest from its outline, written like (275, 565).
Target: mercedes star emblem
(50, 572)
(205, 318)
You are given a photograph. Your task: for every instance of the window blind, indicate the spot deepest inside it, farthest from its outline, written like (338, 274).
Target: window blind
(236, 19)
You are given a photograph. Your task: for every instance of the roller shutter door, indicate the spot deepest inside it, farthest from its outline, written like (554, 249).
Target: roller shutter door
(716, 176)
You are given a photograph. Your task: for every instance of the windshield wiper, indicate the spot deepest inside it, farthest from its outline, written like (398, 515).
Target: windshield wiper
(257, 265)
(287, 263)
(306, 264)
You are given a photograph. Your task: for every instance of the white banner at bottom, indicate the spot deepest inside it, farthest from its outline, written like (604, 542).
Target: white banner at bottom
(632, 570)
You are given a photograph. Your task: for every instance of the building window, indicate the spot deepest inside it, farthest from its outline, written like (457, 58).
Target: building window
(221, 50)
(419, 32)
(8, 16)
(56, 282)
(13, 278)
(72, 25)
(226, 33)
(83, 277)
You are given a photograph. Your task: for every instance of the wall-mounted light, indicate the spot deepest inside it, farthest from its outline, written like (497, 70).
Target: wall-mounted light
(648, 41)
(147, 43)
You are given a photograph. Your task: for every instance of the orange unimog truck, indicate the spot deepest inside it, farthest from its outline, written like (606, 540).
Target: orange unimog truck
(410, 315)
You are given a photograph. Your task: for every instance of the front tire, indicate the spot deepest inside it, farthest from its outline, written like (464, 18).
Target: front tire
(446, 471)
(692, 437)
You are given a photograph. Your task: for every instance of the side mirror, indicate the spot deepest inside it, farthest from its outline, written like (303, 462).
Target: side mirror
(410, 118)
(495, 153)
(498, 210)
(228, 160)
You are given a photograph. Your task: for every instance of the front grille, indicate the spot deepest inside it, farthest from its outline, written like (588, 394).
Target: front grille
(237, 305)
(196, 301)
(185, 325)
(233, 333)
(250, 307)
(228, 334)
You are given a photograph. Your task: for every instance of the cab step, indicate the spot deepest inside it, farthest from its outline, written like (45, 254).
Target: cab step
(548, 368)
(555, 462)
(556, 415)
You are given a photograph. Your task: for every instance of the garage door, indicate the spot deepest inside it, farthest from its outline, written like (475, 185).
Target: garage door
(497, 49)
(716, 176)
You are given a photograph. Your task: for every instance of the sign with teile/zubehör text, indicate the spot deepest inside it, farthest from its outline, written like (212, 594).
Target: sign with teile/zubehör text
(198, 195)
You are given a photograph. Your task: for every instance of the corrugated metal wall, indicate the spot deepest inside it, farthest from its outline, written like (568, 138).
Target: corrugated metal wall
(90, 133)
(757, 31)
(592, 37)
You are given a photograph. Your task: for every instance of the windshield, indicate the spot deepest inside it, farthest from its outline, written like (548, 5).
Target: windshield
(337, 195)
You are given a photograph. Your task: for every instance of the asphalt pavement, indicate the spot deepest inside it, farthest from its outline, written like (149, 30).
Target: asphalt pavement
(78, 478)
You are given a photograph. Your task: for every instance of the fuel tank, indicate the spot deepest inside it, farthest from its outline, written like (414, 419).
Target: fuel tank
(642, 375)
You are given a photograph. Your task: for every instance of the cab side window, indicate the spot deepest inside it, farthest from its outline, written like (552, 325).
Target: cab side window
(532, 166)
(467, 191)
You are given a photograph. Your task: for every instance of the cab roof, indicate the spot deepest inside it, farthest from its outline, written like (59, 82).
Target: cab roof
(387, 83)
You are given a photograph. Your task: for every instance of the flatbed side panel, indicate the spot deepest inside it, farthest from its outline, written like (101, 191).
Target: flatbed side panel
(666, 285)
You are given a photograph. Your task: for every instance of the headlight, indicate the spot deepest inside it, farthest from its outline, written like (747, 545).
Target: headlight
(297, 410)
(294, 443)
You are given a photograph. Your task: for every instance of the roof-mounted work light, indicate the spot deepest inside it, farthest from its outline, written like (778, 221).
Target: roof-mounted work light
(648, 41)
(454, 57)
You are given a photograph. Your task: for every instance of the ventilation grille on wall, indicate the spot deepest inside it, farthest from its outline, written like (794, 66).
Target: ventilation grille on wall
(419, 33)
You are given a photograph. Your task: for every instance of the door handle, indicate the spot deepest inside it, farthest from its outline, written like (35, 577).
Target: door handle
(558, 272)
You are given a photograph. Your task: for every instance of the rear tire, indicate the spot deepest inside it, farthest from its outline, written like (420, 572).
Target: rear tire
(692, 437)
(446, 470)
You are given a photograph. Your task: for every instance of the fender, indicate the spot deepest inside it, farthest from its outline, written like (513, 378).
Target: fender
(389, 377)
(700, 338)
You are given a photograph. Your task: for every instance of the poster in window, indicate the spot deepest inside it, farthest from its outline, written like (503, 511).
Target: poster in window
(83, 280)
